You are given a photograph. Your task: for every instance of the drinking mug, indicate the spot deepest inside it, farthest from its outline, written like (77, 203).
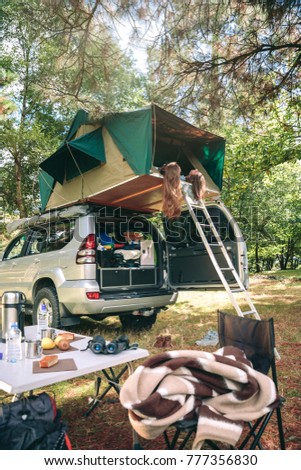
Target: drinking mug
(33, 348)
(48, 333)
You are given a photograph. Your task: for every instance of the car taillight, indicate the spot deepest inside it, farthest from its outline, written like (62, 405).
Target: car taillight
(93, 295)
(87, 250)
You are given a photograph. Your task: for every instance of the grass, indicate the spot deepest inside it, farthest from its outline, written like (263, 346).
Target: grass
(276, 295)
(287, 274)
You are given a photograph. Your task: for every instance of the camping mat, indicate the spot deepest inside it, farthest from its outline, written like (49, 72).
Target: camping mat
(62, 365)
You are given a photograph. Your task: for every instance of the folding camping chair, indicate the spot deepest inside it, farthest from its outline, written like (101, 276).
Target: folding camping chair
(256, 338)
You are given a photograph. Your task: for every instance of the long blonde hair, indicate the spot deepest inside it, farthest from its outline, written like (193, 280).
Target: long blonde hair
(198, 182)
(172, 194)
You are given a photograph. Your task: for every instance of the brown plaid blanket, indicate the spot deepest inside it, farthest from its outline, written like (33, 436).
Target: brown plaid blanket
(222, 389)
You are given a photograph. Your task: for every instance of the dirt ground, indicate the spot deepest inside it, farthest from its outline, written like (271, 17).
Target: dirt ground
(107, 427)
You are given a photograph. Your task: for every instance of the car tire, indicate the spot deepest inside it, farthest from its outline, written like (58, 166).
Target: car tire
(137, 322)
(48, 295)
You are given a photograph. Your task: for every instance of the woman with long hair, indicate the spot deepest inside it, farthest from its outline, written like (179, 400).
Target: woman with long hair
(198, 182)
(172, 194)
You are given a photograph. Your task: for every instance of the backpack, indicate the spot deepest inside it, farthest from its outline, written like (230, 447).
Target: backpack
(33, 423)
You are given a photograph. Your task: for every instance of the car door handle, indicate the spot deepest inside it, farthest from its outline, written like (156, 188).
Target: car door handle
(36, 260)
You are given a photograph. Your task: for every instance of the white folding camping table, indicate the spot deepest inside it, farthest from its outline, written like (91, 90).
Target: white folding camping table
(19, 378)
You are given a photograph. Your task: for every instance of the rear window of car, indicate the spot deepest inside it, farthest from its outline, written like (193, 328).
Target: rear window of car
(51, 238)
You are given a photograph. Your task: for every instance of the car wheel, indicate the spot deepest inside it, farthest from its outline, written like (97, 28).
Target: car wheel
(137, 322)
(48, 296)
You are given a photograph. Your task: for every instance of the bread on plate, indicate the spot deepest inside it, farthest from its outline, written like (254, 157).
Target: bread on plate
(48, 361)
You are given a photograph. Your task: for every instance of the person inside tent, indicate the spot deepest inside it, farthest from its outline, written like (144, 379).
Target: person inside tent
(172, 191)
(197, 179)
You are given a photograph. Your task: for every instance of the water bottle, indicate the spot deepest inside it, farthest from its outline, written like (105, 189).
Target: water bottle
(42, 318)
(13, 344)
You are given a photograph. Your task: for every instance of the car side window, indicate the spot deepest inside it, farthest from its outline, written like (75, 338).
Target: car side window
(60, 233)
(15, 248)
(38, 242)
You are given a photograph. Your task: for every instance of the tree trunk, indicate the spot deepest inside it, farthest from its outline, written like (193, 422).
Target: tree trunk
(214, 98)
(288, 254)
(269, 263)
(18, 156)
(282, 260)
(19, 199)
(257, 265)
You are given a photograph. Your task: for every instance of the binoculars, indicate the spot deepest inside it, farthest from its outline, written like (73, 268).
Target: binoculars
(98, 345)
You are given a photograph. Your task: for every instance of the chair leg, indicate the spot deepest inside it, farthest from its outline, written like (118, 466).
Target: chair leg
(256, 441)
(186, 439)
(263, 421)
(251, 434)
(212, 445)
(171, 444)
(280, 429)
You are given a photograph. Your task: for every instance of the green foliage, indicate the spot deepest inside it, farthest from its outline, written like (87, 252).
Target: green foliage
(217, 60)
(269, 215)
(33, 144)
(256, 146)
(70, 56)
(57, 57)
(262, 181)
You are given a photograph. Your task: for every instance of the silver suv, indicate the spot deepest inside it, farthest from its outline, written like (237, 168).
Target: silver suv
(100, 261)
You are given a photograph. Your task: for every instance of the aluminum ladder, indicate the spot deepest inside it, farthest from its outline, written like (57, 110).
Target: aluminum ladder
(239, 287)
(231, 291)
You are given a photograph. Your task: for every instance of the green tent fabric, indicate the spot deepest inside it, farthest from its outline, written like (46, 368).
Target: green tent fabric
(81, 117)
(212, 158)
(76, 157)
(46, 184)
(132, 133)
(173, 137)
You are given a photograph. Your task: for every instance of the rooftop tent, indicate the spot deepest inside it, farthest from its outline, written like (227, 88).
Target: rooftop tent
(132, 133)
(81, 117)
(152, 137)
(177, 140)
(75, 157)
(136, 144)
(46, 183)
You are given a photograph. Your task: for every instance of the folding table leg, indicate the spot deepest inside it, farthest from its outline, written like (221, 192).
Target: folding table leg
(113, 382)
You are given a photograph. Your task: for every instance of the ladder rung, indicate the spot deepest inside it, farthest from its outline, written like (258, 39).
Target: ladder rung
(249, 312)
(208, 223)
